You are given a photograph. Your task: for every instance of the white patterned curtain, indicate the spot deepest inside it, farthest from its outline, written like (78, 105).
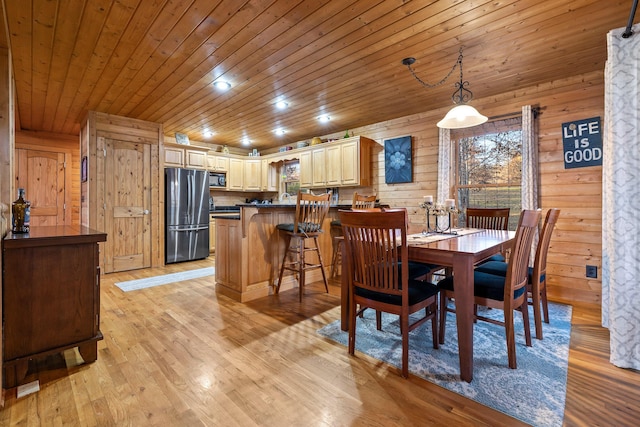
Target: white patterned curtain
(444, 171)
(621, 199)
(529, 159)
(529, 185)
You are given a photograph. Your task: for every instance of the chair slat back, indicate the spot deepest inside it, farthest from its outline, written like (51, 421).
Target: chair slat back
(518, 267)
(540, 261)
(361, 201)
(489, 218)
(311, 210)
(375, 242)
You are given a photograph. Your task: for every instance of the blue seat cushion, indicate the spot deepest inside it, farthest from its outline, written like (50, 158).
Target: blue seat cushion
(419, 269)
(493, 267)
(418, 291)
(303, 227)
(496, 258)
(500, 269)
(485, 285)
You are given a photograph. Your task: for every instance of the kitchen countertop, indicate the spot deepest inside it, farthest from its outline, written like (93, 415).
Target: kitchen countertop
(280, 205)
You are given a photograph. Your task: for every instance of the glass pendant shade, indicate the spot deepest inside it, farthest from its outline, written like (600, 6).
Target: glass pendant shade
(462, 116)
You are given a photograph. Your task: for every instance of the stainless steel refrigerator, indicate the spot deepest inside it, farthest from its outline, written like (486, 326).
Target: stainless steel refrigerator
(187, 214)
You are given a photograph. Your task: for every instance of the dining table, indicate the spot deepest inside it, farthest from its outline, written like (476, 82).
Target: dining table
(458, 250)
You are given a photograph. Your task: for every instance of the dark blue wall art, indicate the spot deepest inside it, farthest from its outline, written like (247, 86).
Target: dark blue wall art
(397, 160)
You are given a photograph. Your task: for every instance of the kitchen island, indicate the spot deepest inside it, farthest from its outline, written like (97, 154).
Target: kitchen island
(249, 250)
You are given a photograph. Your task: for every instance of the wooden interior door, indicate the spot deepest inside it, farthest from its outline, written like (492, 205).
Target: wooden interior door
(42, 175)
(127, 182)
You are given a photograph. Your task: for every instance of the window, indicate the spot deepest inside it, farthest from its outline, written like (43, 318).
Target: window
(291, 177)
(489, 167)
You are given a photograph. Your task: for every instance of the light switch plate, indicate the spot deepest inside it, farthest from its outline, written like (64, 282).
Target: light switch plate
(26, 389)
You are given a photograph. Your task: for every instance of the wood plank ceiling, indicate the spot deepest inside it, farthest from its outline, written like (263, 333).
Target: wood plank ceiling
(156, 60)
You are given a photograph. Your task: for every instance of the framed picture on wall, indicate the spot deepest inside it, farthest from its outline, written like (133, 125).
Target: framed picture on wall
(398, 166)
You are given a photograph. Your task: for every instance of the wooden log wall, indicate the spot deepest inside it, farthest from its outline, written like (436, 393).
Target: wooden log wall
(577, 238)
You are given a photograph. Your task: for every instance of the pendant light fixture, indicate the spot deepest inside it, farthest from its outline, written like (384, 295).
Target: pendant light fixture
(462, 115)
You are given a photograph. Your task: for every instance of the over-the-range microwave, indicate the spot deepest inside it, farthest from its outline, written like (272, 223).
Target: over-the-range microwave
(217, 179)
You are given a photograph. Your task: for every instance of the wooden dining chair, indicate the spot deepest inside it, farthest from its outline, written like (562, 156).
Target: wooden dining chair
(489, 218)
(307, 225)
(359, 201)
(537, 277)
(375, 244)
(507, 293)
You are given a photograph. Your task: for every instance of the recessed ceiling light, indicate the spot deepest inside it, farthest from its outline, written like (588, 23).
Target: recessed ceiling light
(246, 141)
(324, 118)
(280, 131)
(222, 85)
(282, 105)
(208, 134)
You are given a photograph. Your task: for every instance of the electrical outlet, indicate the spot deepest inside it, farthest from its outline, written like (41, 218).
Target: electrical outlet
(592, 271)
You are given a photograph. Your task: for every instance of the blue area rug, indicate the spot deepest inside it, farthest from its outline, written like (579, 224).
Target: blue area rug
(134, 285)
(533, 393)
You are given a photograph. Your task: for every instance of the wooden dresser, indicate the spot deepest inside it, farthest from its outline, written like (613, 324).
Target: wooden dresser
(51, 295)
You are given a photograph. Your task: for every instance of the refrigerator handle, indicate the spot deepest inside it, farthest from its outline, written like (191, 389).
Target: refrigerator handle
(189, 186)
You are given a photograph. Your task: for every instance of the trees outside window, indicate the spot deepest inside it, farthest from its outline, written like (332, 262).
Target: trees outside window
(489, 167)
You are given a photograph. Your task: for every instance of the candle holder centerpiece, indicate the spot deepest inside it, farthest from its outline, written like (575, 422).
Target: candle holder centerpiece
(438, 211)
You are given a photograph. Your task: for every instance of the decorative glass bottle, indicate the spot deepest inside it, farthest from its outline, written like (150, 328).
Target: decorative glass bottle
(20, 210)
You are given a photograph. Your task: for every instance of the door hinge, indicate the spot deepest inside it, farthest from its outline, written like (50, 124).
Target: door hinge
(104, 206)
(104, 150)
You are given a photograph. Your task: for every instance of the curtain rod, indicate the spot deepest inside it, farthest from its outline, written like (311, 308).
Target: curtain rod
(628, 33)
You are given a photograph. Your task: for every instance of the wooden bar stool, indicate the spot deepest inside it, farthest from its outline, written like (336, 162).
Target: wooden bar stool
(307, 225)
(359, 202)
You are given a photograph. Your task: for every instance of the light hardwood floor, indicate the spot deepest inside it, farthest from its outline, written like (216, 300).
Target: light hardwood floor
(178, 355)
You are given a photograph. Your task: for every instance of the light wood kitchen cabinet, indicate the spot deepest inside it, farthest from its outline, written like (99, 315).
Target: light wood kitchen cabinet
(217, 163)
(356, 162)
(318, 163)
(333, 165)
(343, 163)
(185, 156)
(252, 175)
(228, 265)
(195, 158)
(173, 157)
(306, 169)
(269, 175)
(235, 176)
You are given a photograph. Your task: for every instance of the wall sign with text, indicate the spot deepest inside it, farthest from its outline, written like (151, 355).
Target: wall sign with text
(582, 142)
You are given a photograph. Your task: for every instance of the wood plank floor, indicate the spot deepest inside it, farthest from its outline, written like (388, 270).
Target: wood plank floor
(178, 355)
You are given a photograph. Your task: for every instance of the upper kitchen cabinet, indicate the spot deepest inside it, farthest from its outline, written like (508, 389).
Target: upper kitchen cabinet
(235, 177)
(217, 163)
(342, 163)
(181, 156)
(252, 175)
(306, 169)
(269, 175)
(355, 153)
